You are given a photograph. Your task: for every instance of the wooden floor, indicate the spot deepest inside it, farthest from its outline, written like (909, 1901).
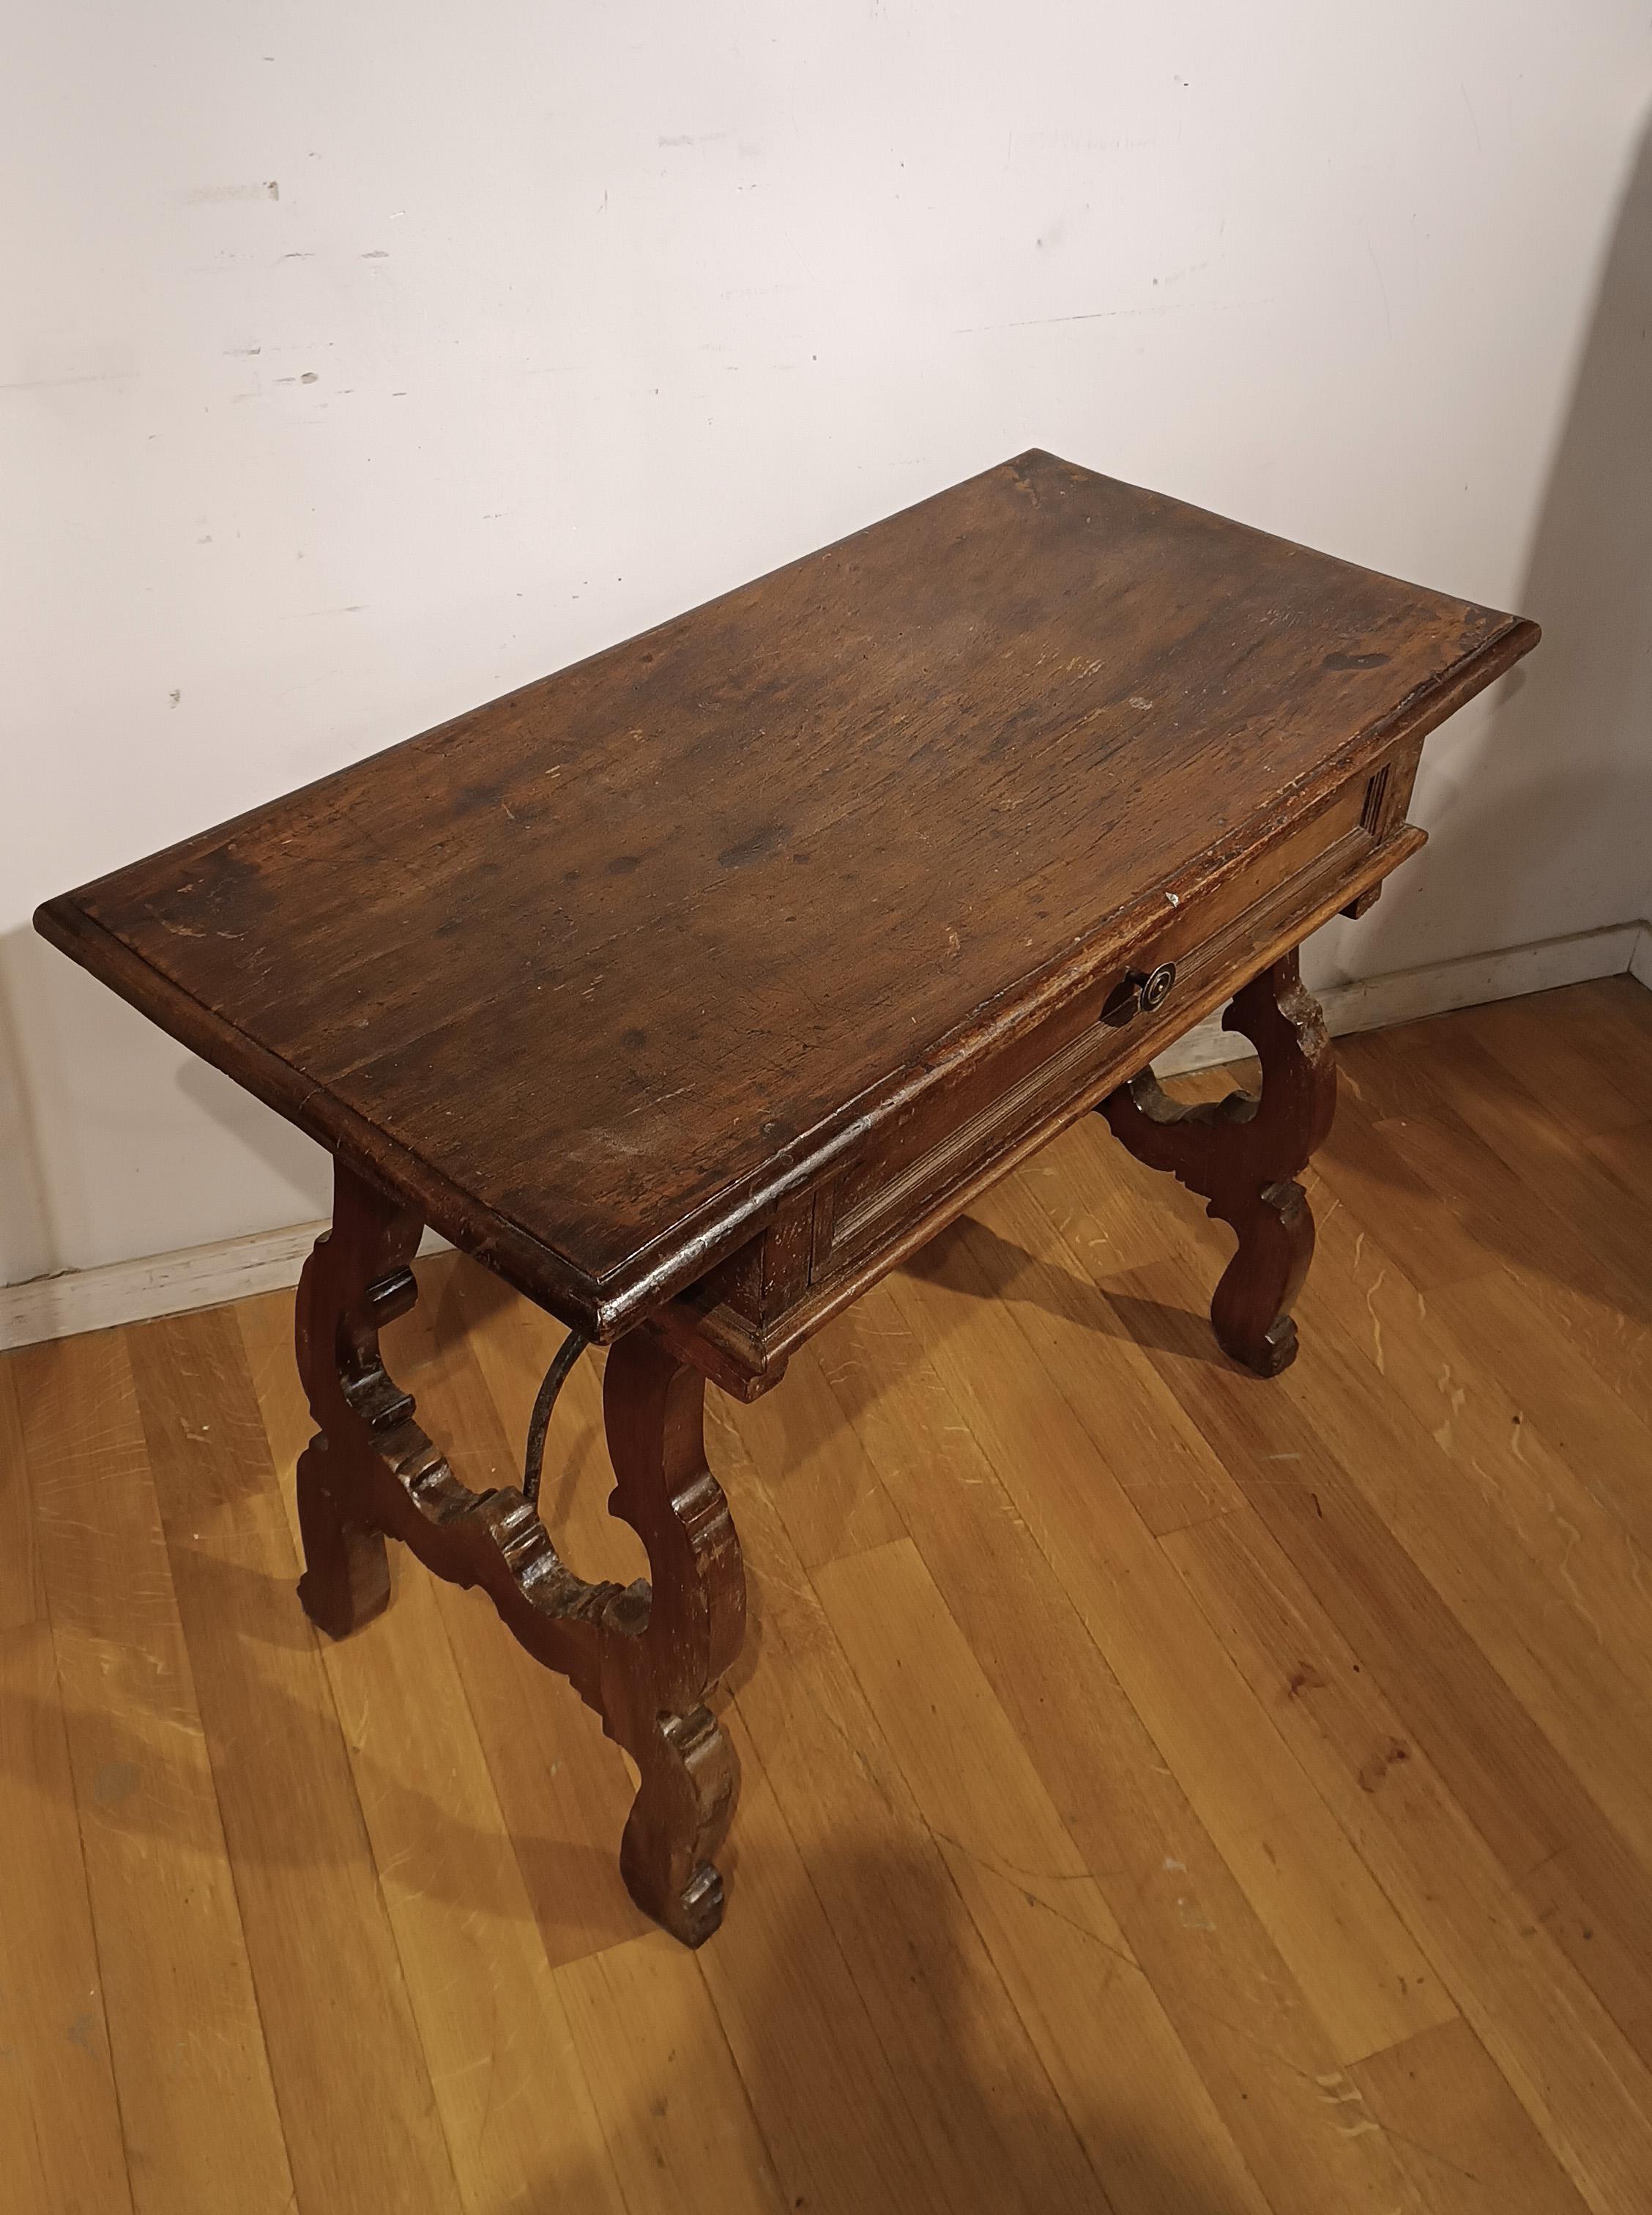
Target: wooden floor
(1164, 1791)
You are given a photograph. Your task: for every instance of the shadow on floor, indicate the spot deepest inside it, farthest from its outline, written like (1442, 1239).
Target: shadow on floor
(948, 2120)
(969, 1257)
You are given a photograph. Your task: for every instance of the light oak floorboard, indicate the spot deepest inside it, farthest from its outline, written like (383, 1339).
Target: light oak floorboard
(492, 2024)
(1462, 2137)
(324, 1961)
(1166, 1793)
(59, 2115)
(186, 2030)
(1268, 2061)
(1332, 1924)
(22, 1591)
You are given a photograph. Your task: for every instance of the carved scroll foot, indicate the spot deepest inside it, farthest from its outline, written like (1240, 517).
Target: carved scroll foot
(1251, 1308)
(347, 1579)
(1243, 1156)
(690, 1783)
(644, 1658)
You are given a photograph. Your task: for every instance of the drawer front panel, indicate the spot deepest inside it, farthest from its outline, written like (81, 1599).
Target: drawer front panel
(996, 1102)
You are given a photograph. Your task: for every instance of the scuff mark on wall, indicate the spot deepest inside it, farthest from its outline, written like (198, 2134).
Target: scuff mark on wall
(270, 189)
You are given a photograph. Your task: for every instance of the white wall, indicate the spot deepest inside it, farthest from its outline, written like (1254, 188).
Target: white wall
(360, 363)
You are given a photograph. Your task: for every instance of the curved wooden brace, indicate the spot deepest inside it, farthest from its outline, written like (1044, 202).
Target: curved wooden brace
(643, 1659)
(1243, 1156)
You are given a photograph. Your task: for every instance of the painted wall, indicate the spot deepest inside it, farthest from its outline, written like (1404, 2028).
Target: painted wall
(358, 363)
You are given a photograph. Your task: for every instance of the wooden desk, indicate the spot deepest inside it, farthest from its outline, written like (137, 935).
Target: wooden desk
(694, 987)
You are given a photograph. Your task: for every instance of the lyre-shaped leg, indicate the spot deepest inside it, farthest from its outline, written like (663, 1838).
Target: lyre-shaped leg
(643, 1659)
(1243, 1155)
(654, 1686)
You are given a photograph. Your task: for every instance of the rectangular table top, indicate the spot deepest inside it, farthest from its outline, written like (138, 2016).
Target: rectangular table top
(599, 970)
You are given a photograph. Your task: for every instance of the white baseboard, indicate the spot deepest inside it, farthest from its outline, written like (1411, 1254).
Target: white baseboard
(1402, 995)
(268, 1260)
(161, 1284)
(1640, 961)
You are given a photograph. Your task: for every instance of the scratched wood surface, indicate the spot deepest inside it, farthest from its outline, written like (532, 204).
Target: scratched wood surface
(590, 969)
(1166, 1793)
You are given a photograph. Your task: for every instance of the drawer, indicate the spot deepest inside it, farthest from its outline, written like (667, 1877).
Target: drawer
(916, 1161)
(968, 1126)
(994, 1100)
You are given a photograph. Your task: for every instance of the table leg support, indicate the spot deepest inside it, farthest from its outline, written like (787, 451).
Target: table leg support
(1243, 1154)
(357, 1278)
(645, 1658)
(654, 1685)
